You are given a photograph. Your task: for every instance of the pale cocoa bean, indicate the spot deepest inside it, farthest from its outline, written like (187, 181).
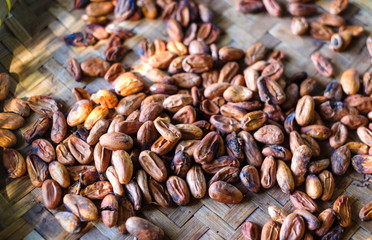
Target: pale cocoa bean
(284, 177)
(59, 173)
(123, 165)
(79, 112)
(313, 186)
(69, 222)
(270, 230)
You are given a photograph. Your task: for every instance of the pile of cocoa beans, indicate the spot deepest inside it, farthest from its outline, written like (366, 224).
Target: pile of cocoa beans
(324, 28)
(214, 121)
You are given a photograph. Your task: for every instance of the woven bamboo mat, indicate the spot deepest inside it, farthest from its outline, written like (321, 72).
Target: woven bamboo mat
(37, 57)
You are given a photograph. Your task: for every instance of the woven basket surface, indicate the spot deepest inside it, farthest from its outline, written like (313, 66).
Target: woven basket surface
(37, 57)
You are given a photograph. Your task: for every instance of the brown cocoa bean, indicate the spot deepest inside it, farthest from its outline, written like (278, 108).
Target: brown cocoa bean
(337, 6)
(116, 141)
(322, 65)
(284, 177)
(44, 150)
(64, 156)
(293, 227)
(95, 67)
(302, 9)
(134, 194)
(269, 134)
(362, 164)
(250, 231)
(153, 165)
(59, 173)
(69, 222)
(51, 193)
(143, 229)
(59, 127)
(365, 213)
(11, 121)
(109, 210)
(300, 161)
(340, 160)
(338, 136)
(4, 85)
(82, 151)
(81, 207)
(37, 130)
(142, 181)
(251, 150)
(224, 192)
(250, 178)
(326, 219)
(313, 186)
(312, 222)
(343, 210)
(37, 170)
(178, 190)
(160, 194)
(328, 184)
(97, 190)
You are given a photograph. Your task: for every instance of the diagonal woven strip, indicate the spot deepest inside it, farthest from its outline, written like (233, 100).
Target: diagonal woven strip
(38, 68)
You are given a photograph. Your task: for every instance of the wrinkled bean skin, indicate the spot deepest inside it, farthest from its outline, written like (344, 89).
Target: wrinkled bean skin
(365, 214)
(300, 161)
(293, 227)
(37, 170)
(252, 153)
(343, 209)
(270, 230)
(302, 201)
(277, 214)
(206, 150)
(340, 160)
(153, 165)
(59, 127)
(250, 178)
(178, 190)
